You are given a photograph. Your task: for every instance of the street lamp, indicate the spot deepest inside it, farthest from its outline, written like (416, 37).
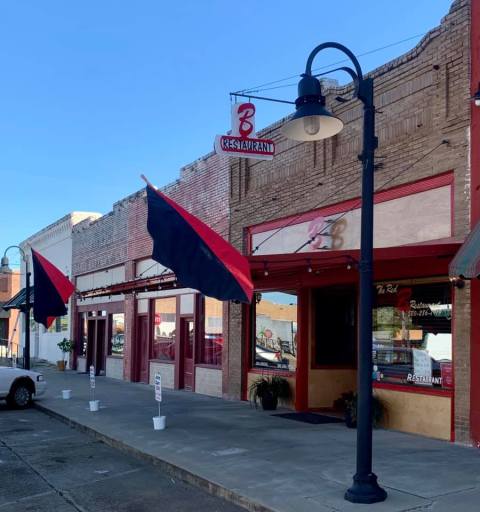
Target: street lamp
(4, 268)
(312, 121)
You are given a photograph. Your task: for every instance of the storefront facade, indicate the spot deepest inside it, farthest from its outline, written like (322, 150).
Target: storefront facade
(297, 218)
(133, 318)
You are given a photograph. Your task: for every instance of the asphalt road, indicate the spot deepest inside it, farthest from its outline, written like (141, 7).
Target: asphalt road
(46, 465)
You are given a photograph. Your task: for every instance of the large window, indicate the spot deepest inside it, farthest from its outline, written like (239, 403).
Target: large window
(276, 330)
(164, 329)
(118, 334)
(212, 346)
(412, 336)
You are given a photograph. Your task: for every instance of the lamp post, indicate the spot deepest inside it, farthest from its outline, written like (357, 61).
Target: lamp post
(312, 121)
(5, 268)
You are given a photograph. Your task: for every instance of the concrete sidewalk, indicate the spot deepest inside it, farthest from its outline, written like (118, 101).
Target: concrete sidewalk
(265, 462)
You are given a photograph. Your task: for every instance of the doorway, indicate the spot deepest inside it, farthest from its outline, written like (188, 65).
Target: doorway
(187, 336)
(141, 350)
(96, 340)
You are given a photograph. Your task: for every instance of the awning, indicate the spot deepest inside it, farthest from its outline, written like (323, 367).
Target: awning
(18, 300)
(466, 263)
(400, 262)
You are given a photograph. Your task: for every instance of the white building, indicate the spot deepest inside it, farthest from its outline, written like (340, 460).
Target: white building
(54, 242)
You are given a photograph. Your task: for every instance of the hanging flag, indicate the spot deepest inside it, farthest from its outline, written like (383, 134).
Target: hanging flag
(199, 257)
(52, 290)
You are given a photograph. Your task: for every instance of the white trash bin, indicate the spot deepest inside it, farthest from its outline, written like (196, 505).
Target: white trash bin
(66, 394)
(94, 405)
(159, 422)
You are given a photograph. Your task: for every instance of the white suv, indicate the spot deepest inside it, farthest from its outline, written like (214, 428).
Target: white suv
(18, 386)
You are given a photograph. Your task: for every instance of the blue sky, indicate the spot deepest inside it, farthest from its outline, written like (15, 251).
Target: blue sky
(93, 93)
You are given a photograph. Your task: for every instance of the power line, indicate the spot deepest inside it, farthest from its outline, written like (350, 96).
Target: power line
(359, 202)
(258, 88)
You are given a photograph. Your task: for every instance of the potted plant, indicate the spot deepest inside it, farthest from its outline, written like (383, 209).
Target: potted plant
(348, 401)
(66, 346)
(268, 390)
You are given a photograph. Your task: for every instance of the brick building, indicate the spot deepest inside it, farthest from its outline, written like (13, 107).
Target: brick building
(9, 320)
(135, 319)
(421, 340)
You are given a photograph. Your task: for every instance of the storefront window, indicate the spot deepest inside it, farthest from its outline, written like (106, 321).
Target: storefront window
(118, 334)
(276, 330)
(412, 335)
(212, 346)
(164, 329)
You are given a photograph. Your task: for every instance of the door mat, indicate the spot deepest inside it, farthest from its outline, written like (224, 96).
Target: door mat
(309, 417)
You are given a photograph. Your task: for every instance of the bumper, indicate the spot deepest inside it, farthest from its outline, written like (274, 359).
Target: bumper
(40, 388)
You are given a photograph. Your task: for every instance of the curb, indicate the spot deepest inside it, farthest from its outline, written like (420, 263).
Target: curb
(173, 470)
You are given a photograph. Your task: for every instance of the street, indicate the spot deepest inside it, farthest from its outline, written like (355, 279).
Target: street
(46, 465)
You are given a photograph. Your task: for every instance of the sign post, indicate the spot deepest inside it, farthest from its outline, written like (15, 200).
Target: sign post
(158, 421)
(94, 404)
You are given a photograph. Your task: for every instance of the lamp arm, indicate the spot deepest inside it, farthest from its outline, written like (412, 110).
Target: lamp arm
(336, 46)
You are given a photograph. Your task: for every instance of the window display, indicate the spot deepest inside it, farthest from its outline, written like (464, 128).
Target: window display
(412, 335)
(276, 330)
(164, 329)
(118, 334)
(212, 346)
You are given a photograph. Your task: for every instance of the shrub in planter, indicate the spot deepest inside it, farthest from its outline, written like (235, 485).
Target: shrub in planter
(348, 403)
(66, 346)
(268, 390)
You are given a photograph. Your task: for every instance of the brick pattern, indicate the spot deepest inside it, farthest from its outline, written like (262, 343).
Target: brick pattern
(422, 98)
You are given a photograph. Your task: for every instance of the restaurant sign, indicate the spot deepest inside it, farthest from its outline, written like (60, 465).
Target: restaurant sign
(242, 141)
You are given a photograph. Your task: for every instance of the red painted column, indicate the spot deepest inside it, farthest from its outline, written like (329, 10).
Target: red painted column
(475, 217)
(301, 382)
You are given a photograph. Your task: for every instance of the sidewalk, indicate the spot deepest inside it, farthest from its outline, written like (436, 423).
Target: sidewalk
(263, 462)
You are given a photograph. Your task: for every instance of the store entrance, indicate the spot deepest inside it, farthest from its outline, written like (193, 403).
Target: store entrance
(96, 340)
(333, 345)
(187, 332)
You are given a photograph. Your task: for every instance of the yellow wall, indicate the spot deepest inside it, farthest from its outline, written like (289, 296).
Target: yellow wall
(252, 377)
(325, 386)
(427, 415)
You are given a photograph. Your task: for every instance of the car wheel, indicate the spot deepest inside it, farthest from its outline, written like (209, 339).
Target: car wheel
(20, 396)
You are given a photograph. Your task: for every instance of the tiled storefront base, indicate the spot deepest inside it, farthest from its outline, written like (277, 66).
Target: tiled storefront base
(208, 381)
(81, 364)
(166, 370)
(114, 367)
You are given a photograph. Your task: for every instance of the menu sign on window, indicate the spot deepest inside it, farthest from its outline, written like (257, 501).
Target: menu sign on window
(422, 368)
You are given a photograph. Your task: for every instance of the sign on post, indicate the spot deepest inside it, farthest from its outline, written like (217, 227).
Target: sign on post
(158, 387)
(92, 377)
(242, 141)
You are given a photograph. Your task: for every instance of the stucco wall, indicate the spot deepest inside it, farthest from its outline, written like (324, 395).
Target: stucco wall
(208, 381)
(114, 367)
(167, 371)
(420, 414)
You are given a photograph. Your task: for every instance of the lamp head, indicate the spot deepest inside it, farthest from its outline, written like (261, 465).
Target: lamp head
(311, 121)
(4, 267)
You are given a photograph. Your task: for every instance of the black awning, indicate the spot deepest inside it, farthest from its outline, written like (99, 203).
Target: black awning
(18, 300)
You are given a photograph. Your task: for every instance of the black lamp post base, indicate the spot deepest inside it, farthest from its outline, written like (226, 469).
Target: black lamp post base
(365, 489)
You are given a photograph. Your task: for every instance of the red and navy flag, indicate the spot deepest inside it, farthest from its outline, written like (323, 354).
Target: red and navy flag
(52, 290)
(199, 257)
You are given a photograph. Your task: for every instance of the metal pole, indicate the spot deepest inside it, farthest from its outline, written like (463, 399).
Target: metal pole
(365, 488)
(26, 353)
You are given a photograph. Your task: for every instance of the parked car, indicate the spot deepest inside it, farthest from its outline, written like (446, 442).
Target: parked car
(18, 387)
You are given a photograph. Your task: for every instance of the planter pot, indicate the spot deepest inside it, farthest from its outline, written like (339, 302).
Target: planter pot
(61, 366)
(94, 405)
(66, 394)
(269, 402)
(349, 421)
(159, 422)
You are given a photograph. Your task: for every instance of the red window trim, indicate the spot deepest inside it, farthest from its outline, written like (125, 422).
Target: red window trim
(161, 361)
(397, 192)
(415, 390)
(208, 366)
